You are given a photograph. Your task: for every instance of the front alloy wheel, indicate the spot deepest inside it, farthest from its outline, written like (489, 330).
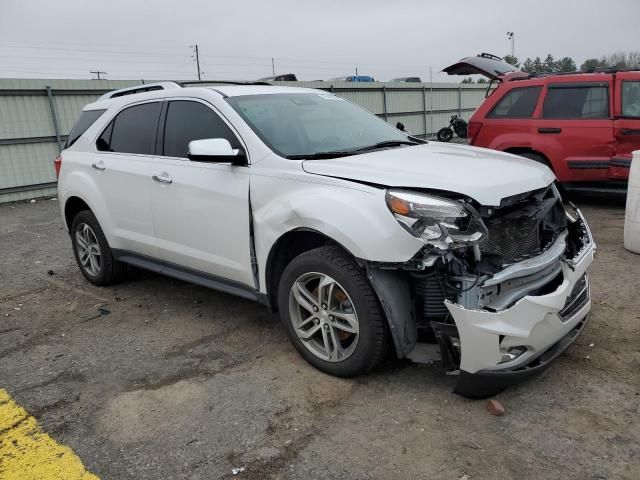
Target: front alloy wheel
(331, 313)
(323, 317)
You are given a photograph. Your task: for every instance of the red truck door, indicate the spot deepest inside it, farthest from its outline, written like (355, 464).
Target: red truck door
(627, 120)
(574, 128)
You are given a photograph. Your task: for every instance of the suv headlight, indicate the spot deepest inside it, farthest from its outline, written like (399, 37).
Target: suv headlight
(440, 222)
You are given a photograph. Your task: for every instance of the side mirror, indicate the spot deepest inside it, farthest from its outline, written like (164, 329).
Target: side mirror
(400, 126)
(216, 150)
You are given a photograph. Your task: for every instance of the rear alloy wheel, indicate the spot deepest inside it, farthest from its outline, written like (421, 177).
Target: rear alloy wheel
(331, 313)
(92, 251)
(88, 249)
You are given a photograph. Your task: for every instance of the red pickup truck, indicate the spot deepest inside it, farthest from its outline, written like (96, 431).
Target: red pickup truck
(584, 126)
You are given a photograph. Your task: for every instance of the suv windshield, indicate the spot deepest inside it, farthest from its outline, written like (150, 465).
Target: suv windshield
(303, 125)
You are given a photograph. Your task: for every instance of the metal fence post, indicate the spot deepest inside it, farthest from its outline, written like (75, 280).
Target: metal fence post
(54, 116)
(384, 102)
(424, 109)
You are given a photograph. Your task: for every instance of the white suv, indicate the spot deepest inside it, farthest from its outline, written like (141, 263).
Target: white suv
(364, 239)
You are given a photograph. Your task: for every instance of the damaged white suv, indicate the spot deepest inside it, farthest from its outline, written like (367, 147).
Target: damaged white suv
(366, 241)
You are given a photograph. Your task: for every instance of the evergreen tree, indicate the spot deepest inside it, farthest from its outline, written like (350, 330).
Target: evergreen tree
(511, 60)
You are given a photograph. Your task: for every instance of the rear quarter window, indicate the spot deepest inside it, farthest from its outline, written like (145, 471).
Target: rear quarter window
(86, 119)
(517, 103)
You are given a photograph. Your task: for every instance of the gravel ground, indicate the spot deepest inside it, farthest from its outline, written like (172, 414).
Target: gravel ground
(159, 379)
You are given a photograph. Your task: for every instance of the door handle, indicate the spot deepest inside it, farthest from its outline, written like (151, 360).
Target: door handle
(98, 166)
(162, 178)
(549, 130)
(629, 131)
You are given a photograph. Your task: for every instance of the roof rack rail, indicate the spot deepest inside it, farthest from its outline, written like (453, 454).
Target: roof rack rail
(577, 72)
(148, 87)
(222, 82)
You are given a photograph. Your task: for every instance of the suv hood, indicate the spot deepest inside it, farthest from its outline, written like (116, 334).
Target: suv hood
(484, 64)
(485, 175)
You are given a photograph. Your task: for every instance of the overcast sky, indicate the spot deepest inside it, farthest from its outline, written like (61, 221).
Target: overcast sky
(315, 40)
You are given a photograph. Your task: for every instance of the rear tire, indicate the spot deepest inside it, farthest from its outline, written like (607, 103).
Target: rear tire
(92, 251)
(337, 298)
(537, 158)
(445, 134)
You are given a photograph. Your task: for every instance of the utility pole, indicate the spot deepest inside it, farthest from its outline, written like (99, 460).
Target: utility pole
(197, 57)
(356, 71)
(273, 67)
(512, 36)
(97, 73)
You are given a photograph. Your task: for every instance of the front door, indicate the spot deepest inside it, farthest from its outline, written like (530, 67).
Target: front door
(200, 210)
(627, 119)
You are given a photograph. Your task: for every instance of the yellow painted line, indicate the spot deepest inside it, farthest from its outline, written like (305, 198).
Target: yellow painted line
(27, 453)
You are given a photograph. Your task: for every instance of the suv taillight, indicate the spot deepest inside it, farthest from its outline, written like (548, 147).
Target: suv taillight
(57, 165)
(472, 131)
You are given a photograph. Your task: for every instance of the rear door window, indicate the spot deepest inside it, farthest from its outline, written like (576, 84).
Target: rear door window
(517, 103)
(631, 99)
(133, 130)
(86, 119)
(576, 101)
(187, 121)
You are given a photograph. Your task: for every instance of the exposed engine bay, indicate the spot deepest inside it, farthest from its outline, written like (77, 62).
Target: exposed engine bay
(528, 239)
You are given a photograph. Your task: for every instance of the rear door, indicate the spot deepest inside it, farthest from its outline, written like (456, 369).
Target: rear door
(574, 128)
(200, 210)
(509, 122)
(121, 168)
(627, 119)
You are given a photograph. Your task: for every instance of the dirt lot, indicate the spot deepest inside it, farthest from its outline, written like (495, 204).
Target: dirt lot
(159, 379)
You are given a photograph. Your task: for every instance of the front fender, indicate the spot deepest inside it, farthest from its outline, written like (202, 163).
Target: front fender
(356, 218)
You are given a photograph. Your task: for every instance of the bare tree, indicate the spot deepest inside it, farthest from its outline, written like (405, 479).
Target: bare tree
(622, 60)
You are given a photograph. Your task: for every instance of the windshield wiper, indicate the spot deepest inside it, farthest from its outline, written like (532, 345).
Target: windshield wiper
(385, 143)
(355, 151)
(321, 155)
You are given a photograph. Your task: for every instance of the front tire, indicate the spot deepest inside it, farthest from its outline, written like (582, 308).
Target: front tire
(92, 252)
(445, 134)
(331, 313)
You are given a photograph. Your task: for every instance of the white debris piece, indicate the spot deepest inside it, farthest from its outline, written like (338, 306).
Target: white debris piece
(237, 470)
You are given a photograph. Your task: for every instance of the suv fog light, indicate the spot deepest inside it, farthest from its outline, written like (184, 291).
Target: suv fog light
(513, 353)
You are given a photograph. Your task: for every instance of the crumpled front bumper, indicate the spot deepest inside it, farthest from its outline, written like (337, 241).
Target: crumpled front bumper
(539, 323)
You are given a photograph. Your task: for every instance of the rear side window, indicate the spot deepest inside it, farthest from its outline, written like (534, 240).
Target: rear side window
(86, 119)
(631, 99)
(187, 121)
(576, 101)
(132, 131)
(517, 103)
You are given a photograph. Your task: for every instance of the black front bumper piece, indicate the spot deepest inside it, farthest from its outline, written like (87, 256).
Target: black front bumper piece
(486, 383)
